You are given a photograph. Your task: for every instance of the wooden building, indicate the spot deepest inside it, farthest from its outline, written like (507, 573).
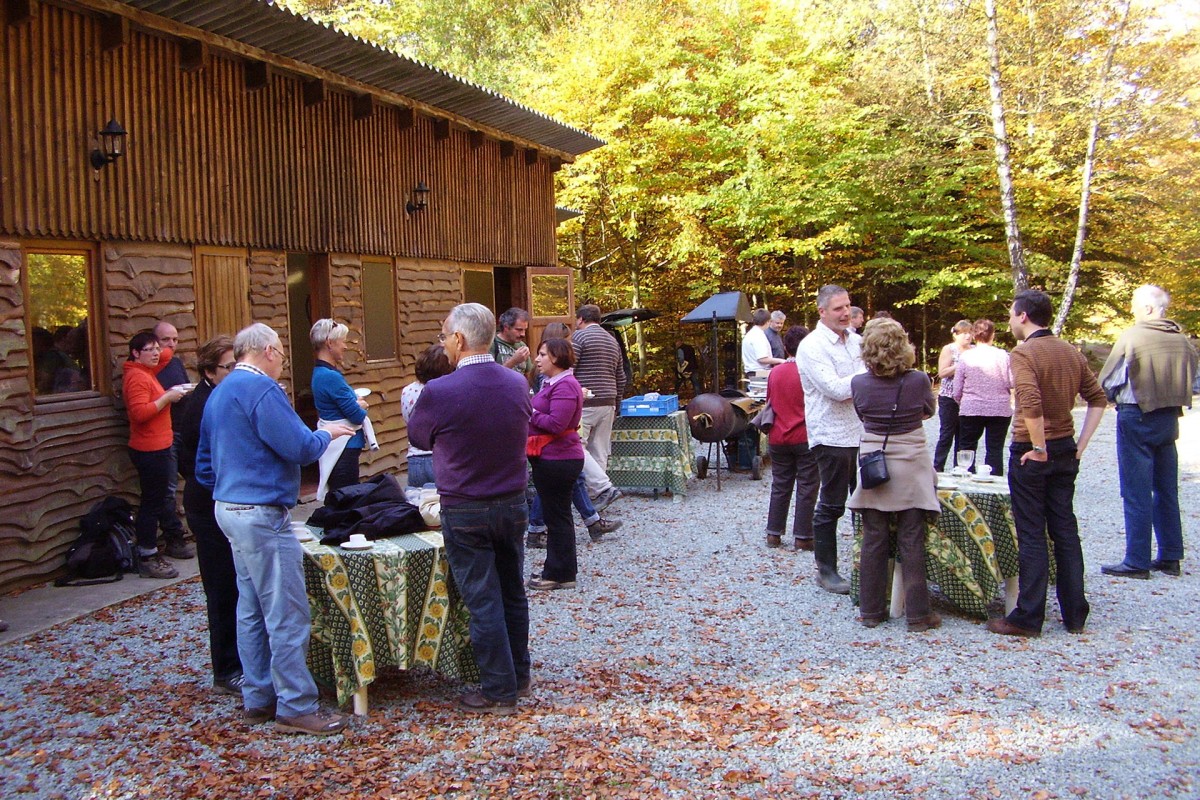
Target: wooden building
(273, 170)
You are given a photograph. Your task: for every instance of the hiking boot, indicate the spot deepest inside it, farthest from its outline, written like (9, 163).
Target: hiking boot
(322, 722)
(537, 541)
(606, 498)
(156, 566)
(229, 686)
(829, 580)
(544, 585)
(475, 701)
(773, 540)
(602, 526)
(181, 550)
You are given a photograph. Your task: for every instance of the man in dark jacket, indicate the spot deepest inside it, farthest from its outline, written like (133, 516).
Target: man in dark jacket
(173, 375)
(1149, 376)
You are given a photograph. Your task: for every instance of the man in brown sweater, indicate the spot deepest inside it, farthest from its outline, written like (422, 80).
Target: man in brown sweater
(1048, 373)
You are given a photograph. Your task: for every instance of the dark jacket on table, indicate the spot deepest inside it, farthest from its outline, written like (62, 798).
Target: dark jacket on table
(376, 508)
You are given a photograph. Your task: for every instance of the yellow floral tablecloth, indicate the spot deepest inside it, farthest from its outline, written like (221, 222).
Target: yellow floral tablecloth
(392, 605)
(972, 548)
(652, 453)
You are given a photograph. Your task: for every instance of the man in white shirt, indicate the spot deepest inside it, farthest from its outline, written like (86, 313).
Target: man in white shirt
(756, 347)
(828, 358)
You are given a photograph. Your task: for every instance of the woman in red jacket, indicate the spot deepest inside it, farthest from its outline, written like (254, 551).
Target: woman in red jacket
(793, 465)
(150, 437)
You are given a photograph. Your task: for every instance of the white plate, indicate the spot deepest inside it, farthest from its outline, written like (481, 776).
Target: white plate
(185, 387)
(984, 479)
(947, 484)
(303, 535)
(367, 546)
(362, 392)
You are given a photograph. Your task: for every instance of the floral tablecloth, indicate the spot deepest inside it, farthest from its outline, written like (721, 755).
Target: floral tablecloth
(972, 548)
(392, 605)
(652, 453)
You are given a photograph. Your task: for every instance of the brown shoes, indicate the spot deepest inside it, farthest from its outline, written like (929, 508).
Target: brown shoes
(1005, 628)
(322, 722)
(929, 623)
(257, 716)
(549, 586)
(773, 540)
(804, 543)
(475, 701)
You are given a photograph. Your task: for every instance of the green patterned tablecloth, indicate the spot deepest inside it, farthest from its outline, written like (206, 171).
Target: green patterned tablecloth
(652, 453)
(392, 605)
(971, 549)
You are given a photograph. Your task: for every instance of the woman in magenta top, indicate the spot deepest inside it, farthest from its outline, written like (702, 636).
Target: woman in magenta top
(554, 425)
(984, 394)
(792, 463)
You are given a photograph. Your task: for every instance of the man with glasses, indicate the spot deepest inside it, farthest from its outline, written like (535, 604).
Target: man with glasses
(173, 374)
(252, 445)
(476, 422)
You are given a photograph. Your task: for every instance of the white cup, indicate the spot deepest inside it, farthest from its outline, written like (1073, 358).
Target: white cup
(983, 470)
(358, 540)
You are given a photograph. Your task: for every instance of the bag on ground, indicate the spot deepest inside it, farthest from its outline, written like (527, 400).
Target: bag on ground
(105, 549)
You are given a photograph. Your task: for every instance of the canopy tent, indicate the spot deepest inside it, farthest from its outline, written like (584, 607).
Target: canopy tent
(723, 307)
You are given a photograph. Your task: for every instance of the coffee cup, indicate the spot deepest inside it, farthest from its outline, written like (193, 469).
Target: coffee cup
(983, 470)
(358, 540)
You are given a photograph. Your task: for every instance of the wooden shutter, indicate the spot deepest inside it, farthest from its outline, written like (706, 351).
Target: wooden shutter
(222, 291)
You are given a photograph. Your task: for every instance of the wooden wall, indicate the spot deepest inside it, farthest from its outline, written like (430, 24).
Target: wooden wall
(211, 161)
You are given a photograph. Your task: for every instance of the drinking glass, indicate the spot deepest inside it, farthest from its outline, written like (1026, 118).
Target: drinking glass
(965, 459)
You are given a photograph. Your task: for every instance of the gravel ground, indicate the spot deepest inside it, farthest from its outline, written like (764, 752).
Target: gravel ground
(690, 662)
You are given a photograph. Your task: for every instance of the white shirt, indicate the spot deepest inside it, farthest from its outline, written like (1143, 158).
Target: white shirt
(827, 363)
(755, 345)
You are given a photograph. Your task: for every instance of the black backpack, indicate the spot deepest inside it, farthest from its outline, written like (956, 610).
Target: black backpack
(105, 549)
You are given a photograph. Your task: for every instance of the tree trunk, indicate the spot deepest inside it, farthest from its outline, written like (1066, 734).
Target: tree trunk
(1089, 163)
(1008, 200)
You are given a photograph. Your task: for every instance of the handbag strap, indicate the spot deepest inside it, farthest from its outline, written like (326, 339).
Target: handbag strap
(895, 406)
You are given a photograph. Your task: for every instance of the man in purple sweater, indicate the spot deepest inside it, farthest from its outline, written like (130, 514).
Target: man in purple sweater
(476, 422)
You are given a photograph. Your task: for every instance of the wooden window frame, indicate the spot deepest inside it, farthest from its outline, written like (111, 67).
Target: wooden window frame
(543, 320)
(366, 343)
(97, 315)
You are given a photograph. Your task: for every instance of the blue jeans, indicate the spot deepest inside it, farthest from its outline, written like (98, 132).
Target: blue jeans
(579, 496)
(1043, 496)
(420, 471)
(1149, 470)
(272, 613)
(485, 548)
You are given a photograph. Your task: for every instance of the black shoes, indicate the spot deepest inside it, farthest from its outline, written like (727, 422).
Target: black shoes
(1165, 567)
(1122, 570)
(230, 686)
(829, 580)
(1002, 626)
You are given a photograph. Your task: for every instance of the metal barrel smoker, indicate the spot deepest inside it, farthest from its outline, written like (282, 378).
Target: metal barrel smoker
(723, 417)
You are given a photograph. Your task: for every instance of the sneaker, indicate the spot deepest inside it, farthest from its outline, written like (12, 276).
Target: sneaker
(156, 567)
(322, 722)
(229, 686)
(606, 498)
(180, 551)
(536, 540)
(602, 526)
(548, 586)
(257, 716)
(475, 701)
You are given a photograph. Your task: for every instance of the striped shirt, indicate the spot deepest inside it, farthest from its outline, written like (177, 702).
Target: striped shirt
(1047, 375)
(599, 365)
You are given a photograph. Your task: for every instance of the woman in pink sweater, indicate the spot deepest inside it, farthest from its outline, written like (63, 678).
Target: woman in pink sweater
(983, 389)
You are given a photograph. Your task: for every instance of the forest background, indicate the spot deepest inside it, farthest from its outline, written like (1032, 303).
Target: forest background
(773, 146)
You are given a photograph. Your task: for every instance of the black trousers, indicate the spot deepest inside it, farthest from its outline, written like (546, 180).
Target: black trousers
(839, 477)
(345, 471)
(947, 433)
(1043, 496)
(219, 579)
(554, 479)
(994, 430)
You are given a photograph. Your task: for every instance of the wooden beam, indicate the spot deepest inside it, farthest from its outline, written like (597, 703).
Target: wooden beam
(477, 139)
(193, 55)
(507, 149)
(441, 129)
(531, 156)
(314, 92)
(256, 75)
(18, 11)
(114, 32)
(406, 117)
(364, 106)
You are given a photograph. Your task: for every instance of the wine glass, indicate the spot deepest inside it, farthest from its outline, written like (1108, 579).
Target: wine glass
(965, 459)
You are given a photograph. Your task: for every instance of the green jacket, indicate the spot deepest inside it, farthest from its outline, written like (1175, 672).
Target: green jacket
(1157, 361)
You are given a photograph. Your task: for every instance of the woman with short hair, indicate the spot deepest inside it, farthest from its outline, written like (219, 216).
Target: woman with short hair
(336, 402)
(983, 392)
(431, 364)
(947, 442)
(892, 400)
(793, 465)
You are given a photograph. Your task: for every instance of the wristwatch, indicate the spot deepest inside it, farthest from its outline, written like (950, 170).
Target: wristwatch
(1039, 450)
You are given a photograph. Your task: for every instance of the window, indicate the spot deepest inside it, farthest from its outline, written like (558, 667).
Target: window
(478, 287)
(551, 295)
(379, 309)
(61, 292)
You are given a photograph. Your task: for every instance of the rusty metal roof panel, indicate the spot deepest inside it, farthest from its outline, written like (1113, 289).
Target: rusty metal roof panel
(276, 30)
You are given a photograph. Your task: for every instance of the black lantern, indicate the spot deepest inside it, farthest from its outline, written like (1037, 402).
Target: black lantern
(112, 145)
(419, 200)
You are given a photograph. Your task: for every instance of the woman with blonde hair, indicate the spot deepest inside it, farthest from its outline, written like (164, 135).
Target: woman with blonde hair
(892, 400)
(947, 406)
(336, 402)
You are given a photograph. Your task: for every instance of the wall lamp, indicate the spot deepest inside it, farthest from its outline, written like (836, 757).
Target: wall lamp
(112, 145)
(419, 200)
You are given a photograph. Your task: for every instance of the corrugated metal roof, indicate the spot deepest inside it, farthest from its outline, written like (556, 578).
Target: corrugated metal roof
(279, 31)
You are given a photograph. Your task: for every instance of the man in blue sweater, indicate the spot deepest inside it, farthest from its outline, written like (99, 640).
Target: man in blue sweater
(476, 422)
(252, 445)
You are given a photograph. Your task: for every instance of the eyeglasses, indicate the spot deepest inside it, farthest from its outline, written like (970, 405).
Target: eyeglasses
(282, 355)
(227, 367)
(442, 337)
(153, 346)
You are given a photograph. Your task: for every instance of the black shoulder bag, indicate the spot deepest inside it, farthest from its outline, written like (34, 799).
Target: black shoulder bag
(872, 467)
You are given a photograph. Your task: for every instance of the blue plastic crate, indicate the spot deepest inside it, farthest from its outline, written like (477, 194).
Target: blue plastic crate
(659, 406)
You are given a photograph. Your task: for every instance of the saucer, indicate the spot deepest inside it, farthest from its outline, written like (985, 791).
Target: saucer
(984, 479)
(364, 546)
(303, 535)
(947, 483)
(362, 392)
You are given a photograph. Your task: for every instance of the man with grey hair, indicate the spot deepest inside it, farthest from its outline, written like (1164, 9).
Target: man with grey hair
(828, 358)
(1149, 376)
(252, 445)
(476, 422)
(756, 346)
(774, 335)
(509, 348)
(858, 319)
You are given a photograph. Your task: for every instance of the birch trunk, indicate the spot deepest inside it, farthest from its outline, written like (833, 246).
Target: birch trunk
(1008, 200)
